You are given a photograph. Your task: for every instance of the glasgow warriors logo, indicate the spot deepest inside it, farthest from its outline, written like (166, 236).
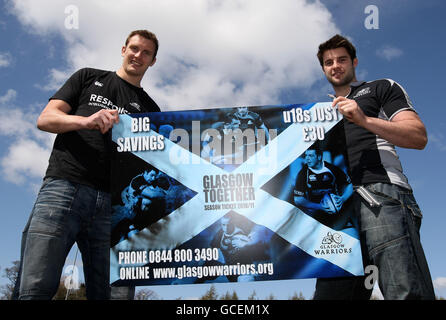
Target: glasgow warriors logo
(330, 238)
(332, 244)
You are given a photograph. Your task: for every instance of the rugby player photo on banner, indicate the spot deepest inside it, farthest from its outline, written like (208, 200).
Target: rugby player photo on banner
(222, 150)
(249, 193)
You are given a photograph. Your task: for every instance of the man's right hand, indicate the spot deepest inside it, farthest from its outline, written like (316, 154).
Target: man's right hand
(102, 120)
(55, 118)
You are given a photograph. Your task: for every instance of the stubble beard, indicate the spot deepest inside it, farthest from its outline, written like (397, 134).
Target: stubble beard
(349, 78)
(135, 73)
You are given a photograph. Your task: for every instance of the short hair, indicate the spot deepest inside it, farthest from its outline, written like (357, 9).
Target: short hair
(316, 147)
(145, 34)
(335, 42)
(162, 181)
(148, 170)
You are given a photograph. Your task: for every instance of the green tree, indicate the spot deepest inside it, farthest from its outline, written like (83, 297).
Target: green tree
(73, 294)
(253, 296)
(11, 274)
(297, 297)
(146, 294)
(211, 294)
(271, 297)
(228, 296)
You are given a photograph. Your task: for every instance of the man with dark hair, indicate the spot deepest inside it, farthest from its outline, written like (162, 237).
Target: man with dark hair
(336, 41)
(144, 202)
(318, 180)
(74, 202)
(147, 35)
(378, 116)
(248, 120)
(240, 242)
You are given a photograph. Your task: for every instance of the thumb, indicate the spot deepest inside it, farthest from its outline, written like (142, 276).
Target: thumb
(115, 115)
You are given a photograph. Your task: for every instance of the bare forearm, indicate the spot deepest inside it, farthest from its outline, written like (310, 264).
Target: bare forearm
(405, 130)
(56, 118)
(348, 191)
(406, 133)
(303, 202)
(60, 122)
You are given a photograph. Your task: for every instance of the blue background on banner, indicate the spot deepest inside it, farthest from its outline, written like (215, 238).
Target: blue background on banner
(38, 53)
(289, 261)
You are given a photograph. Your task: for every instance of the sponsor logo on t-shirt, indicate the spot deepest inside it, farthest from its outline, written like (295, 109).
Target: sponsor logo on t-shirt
(105, 103)
(362, 92)
(135, 105)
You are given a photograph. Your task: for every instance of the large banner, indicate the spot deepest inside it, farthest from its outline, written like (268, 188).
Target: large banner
(232, 194)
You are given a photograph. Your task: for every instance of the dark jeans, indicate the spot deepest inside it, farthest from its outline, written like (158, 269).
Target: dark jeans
(390, 240)
(65, 213)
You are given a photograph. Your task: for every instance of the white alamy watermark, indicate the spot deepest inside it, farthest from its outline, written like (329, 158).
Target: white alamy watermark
(372, 20)
(372, 276)
(72, 279)
(72, 18)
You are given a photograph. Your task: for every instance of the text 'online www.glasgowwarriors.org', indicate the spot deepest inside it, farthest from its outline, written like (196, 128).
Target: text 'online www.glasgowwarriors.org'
(213, 271)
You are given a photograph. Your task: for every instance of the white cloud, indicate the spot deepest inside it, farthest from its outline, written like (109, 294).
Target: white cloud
(5, 59)
(19, 122)
(389, 52)
(26, 157)
(212, 52)
(438, 139)
(440, 283)
(56, 78)
(361, 74)
(9, 96)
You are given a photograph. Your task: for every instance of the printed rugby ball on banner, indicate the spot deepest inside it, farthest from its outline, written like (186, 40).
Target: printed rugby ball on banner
(328, 201)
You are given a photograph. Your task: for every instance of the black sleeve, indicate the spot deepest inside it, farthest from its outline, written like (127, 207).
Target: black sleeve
(137, 183)
(72, 89)
(148, 103)
(228, 117)
(257, 120)
(393, 98)
(215, 243)
(300, 187)
(342, 179)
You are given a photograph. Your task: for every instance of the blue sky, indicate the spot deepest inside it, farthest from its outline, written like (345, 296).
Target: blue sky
(219, 53)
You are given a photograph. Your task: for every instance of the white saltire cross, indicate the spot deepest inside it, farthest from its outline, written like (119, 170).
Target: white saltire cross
(279, 216)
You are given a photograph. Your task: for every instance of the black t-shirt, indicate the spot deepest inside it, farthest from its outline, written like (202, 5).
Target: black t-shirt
(83, 156)
(373, 159)
(314, 184)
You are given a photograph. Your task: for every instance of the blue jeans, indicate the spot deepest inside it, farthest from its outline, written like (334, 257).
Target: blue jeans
(390, 240)
(65, 213)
